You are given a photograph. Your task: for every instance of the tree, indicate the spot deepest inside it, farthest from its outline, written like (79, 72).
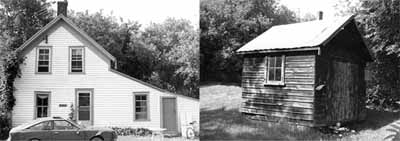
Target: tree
(227, 25)
(380, 22)
(177, 67)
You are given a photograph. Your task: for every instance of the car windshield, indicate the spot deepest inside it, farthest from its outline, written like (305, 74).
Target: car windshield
(45, 125)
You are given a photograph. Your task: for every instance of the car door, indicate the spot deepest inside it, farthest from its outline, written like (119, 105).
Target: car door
(64, 130)
(40, 131)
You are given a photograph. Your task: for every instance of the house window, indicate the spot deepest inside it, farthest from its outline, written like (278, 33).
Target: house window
(76, 61)
(141, 106)
(43, 59)
(42, 104)
(275, 70)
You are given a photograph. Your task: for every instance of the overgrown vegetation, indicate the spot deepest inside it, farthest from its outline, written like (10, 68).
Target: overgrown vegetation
(131, 131)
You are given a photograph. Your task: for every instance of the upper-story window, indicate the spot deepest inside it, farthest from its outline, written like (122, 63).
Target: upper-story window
(43, 60)
(275, 70)
(76, 60)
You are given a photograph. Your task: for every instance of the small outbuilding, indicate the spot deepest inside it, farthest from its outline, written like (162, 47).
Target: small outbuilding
(309, 73)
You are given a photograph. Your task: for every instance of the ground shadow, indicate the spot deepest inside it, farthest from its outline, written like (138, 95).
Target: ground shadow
(375, 120)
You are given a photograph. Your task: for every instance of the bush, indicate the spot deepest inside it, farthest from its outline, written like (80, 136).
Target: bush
(4, 126)
(131, 131)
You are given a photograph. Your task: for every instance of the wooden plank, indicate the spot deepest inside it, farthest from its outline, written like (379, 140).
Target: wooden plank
(279, 98)
(282, 95)
(278, 114)
(279, 91)
(280, 103)
(282, 109)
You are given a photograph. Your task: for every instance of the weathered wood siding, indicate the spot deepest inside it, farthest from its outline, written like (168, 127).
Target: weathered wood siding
(292, 102)
(340, 68)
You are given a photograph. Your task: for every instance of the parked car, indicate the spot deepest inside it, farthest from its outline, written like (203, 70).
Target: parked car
(57, 128)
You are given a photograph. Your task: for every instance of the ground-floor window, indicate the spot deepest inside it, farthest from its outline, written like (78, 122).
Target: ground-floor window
(42, 104)
(141, 106)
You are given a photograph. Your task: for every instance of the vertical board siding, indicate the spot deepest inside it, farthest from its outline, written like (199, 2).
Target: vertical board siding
(113, 93)
(292, 102)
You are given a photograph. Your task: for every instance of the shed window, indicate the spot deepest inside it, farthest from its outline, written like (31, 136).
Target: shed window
(43, 59)
(77, 55)
(141, 107)
(275, 70)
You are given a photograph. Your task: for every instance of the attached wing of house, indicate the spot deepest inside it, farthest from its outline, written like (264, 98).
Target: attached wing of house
(64, 68)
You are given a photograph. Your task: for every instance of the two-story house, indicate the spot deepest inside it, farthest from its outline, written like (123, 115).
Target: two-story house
(65, 68)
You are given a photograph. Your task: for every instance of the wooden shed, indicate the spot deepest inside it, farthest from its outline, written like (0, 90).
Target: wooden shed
(309, 73)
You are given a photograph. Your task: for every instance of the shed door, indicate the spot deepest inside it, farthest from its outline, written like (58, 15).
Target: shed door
(347, 90)
(169, 119)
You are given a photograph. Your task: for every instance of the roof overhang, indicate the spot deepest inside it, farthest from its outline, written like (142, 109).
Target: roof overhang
(282, 50)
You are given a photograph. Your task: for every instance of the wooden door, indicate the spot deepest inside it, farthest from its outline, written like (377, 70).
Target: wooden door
(169, 115)
(346, 90)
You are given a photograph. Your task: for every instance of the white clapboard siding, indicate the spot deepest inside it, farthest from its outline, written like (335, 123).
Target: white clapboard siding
(113, 93)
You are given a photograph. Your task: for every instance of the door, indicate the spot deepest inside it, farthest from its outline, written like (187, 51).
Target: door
(64, 130)
(169, 115)
(84, 107)
(347, 84)
(40, 131)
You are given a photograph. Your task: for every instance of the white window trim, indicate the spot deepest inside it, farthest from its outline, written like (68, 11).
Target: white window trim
(37, 59)
(70, 59)
(275, 83)
(147, 94)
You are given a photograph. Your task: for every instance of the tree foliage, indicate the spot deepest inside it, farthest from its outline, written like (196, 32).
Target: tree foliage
(227, 25)
(380, 21)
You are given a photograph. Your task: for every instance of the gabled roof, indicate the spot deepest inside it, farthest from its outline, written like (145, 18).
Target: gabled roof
(306, 35)
(70, 23)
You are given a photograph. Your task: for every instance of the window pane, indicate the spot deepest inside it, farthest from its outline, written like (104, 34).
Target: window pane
(43, 51)
(141, 116)
(41, 126)
(43, 69)
(271, 73)
(63, 125)
(39, 112)
(278, 74)
(76, 64)
(271, 62)
(84, 100)
(84, 115)
(43, 63)
(278, 61)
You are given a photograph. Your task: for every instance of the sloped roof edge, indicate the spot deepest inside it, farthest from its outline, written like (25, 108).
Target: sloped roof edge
(150, 85)
(69, 22)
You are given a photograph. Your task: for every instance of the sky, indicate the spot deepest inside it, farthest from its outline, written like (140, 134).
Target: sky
(311, 6)
(143, 11)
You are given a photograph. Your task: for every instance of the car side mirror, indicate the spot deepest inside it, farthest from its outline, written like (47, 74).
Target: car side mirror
(77, 131)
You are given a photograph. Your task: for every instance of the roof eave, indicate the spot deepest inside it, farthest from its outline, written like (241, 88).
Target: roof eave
(312, 48)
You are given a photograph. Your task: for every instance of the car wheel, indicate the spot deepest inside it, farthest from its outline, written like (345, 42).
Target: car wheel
(97, 139)
(34, 140)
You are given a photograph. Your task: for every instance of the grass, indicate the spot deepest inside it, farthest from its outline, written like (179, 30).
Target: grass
(220, 119)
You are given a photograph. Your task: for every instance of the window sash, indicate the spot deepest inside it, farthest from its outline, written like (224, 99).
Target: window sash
(141, 107)
(76, 59)
(43, 60)
(42, 109)
(275, 69)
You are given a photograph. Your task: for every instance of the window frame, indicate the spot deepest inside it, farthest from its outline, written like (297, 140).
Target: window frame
(70, 59)
(37, 59)
(266, 72)
(147, 105)
(36, 106)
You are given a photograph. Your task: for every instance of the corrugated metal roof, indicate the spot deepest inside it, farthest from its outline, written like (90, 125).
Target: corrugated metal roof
(297, 35)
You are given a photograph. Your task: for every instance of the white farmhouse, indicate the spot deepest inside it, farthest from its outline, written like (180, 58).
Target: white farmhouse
(65, 67)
